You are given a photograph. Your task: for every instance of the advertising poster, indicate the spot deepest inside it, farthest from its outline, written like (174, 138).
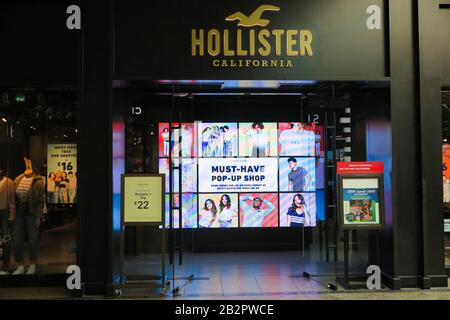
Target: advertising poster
(297, 174)
(186, 144)
(189, 211)
(446, 172)
(297, 209)
(319, 146)
(164, 168)
(217, 139)
(164, 144)
(62, 173)
(223, 161)
(258, 139)
(189, 175)
(218, 210)
(238, 175)
(258, 210)
(295, 139)
(360, 201)
(142, 199)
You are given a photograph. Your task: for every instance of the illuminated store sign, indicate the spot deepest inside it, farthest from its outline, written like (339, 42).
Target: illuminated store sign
(250, 40)
(251, 47)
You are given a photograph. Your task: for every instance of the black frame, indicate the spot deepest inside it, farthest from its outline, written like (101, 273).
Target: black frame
(379, 177)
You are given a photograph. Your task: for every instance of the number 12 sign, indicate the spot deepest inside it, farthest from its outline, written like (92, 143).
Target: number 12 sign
(142, 199)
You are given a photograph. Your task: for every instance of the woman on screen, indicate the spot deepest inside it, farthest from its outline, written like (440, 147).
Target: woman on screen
(227, 212)
(208, 214)
(216, 142)
(205, 141)
(298, 214)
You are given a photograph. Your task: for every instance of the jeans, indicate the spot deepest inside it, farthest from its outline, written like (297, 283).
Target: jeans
(25, 220)
(72, 195)
(259, 152)
(63, 195)
(51, 197)
(56, 196)
(166, 149)
(6, 238)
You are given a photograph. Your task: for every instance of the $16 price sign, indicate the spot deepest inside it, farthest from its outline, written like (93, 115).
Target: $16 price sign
(67, 166)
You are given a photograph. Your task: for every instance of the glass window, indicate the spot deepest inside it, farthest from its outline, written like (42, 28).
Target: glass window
(38, 180)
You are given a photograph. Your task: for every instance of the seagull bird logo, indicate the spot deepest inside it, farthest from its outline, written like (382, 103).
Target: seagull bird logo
(254, 19)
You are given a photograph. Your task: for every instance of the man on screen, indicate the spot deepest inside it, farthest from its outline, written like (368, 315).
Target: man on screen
(254, 214)
(299, 178)
(297, 141)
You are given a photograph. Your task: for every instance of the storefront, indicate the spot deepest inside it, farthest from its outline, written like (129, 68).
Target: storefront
(186, 89)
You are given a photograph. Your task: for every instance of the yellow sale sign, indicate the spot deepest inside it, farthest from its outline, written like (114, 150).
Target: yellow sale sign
(143, 199)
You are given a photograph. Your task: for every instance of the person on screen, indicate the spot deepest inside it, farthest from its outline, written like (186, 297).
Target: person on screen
(298, 214)
(297, 141)
(228, 141)
(166, 143)
(298, 178)
(205, 141)
(186, 140)
(253, 214)
(208, 214)
(365, 211)
(212, 150)
(259, 140)
(355, 211)
(226, 212)
(220, 142)
(317, 142)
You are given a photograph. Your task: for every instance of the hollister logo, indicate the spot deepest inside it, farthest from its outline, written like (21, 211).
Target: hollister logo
(254, 19)
(249, 47)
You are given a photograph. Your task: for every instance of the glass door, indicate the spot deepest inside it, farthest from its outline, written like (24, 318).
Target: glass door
(253, 190)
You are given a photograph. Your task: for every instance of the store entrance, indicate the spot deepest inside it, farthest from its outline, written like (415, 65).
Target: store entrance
(250, 199)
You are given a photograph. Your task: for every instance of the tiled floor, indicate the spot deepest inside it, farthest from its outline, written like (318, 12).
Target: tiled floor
(269, 275)
(249, 276)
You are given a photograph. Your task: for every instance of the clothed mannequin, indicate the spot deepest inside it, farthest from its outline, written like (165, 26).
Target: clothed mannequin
(7, 212)
(30, 198)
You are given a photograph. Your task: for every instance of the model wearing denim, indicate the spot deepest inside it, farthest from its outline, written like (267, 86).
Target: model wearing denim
(25, 221)
(30, 199)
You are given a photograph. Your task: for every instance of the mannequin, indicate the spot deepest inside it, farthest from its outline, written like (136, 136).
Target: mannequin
(7, 212)
(30, 198)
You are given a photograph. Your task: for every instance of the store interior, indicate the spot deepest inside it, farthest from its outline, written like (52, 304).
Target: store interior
(353, 121)
(30, 120)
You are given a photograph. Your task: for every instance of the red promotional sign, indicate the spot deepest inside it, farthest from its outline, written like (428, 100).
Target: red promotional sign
(359, 167)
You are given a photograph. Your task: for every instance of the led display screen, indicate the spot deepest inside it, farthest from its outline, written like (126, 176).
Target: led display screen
(243, 175)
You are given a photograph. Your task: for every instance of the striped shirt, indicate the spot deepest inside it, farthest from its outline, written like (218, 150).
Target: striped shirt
(23, 188)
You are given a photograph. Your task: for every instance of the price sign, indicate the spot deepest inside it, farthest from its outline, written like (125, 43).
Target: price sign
(62, 173)
(142, 198)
